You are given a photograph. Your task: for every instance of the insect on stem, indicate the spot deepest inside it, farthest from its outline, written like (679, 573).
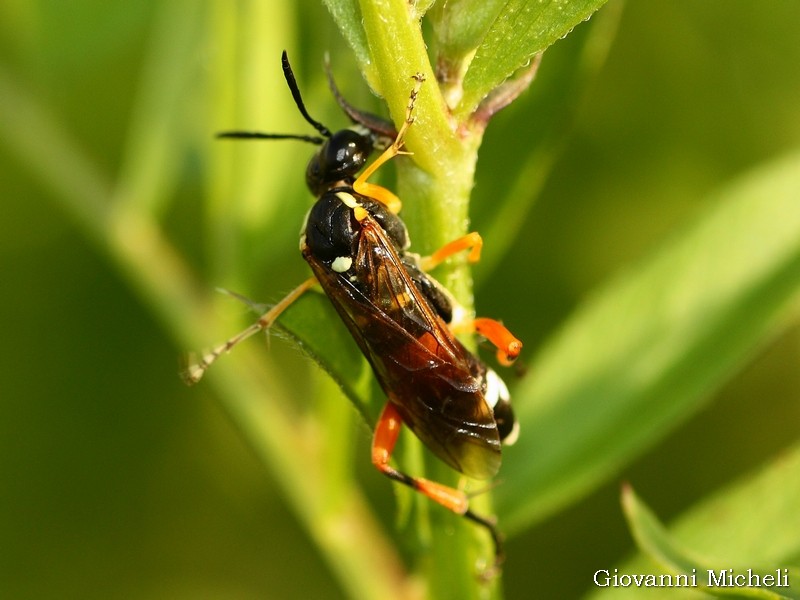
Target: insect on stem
(401, 318)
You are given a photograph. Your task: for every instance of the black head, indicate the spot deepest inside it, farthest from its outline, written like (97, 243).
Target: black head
(342, 154)
(339, 159)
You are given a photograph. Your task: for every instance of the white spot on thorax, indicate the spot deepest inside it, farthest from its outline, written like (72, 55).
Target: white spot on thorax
(341, 264)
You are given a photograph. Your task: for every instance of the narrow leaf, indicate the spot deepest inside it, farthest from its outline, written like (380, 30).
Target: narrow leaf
(733, 562)
(754, 519)
(567, 72)
(461, 25)
(647, 351)
(347, 16)
(520, 31)
(313, 323)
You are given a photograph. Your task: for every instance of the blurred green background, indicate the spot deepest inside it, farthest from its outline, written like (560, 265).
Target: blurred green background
(117, 481)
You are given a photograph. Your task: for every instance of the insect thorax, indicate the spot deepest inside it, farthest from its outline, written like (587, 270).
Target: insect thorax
(332, 228)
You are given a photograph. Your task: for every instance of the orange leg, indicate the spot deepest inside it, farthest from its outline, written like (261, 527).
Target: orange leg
(387, 430)
(472, 241)
(508, 347)
(195, 370)
(377, 192)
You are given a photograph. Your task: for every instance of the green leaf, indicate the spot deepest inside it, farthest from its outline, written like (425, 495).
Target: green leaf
(461, 25)
(744, 528)
(347, 16)
(754, 519)
(313, 323)
(567, 72)
(521, 30)
(646, 351)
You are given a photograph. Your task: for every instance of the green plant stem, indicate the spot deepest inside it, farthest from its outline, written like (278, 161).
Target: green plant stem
(435, 190)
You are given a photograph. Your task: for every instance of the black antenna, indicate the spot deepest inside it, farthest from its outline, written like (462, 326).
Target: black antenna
(257, 135)
(298, 100)
(376, 124)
